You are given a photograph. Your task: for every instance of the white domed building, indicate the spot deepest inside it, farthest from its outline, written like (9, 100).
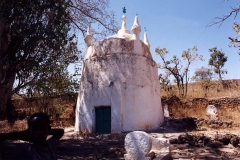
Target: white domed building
(119, 86)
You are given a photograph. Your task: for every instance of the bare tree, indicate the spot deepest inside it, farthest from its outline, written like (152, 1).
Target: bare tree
(177, 68)
(236, 27)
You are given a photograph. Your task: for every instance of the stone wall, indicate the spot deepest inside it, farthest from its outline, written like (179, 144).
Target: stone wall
(228, 108)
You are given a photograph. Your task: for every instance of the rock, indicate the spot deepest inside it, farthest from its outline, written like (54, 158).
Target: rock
(215, 126)
(234, 141)
(160, 144)
(202, 129)
(173, 141)
(229, 124)
(161, 148)
(189, 137)
(214, 144)
(191, 143)
(225, 125)
(129, 157)
(225, 139)
(137, 145)
(220, 123)
(151, 155)
(166, 111)
(206, 140)
(200, 141)
(200, 123)
(211, 112)
(163, 157)
(182, 139)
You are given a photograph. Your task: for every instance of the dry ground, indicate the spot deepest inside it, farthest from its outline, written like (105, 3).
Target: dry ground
(111, 146)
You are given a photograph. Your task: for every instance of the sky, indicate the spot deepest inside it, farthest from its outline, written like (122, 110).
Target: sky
(181, 24)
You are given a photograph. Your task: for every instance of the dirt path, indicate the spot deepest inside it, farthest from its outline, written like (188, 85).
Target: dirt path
(111, 146)
(95, 147)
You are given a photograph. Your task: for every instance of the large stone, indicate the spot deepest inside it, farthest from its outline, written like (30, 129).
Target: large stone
(161, 148)
(160, 144)
(211, 112)
(137, 145)
(166, 111)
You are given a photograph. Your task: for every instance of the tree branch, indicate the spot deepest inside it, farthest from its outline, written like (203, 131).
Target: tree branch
(220, 20)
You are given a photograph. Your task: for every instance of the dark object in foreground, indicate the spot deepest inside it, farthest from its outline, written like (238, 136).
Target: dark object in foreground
(40, 148)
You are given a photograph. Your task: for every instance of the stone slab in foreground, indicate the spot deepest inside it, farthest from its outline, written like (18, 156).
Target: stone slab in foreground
(138, 144)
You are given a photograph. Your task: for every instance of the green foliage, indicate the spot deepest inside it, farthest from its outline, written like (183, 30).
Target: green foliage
(52, 82)
(38, 35)
(177, 68)
(203, 74)
(218, 60)
(38, 42)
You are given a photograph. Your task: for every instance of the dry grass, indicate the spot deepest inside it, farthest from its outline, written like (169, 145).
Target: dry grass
(213, 89)
(18, 126)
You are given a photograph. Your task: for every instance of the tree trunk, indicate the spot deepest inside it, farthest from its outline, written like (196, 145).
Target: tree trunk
(7, 76)
(186, 85)
(220, 76)
(7, 109)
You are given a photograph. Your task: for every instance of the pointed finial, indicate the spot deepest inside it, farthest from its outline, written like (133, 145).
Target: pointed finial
(145, 38)
(123, 30)
(89, 37)
(137, 14)
(124, 10)
(89, 30)
(136, 28)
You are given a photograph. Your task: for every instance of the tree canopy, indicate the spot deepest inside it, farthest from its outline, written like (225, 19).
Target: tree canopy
(36, 35)
(203, 73)
(217, 60)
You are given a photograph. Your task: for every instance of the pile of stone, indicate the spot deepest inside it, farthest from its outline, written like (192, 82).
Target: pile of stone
(202, 140)
(140, 146)
(216, 124)
(180, 124)
(192, 123)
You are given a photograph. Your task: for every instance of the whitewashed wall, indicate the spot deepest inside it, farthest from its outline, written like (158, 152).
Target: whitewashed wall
(126, 82)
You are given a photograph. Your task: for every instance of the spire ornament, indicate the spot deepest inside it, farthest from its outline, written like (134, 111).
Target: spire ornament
(124, 29)
(136, 28)
(89, 37)
(145, 38)
(124, 10)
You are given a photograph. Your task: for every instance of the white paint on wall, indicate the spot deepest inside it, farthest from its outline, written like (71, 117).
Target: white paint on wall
(119, 72)
(126, 82)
